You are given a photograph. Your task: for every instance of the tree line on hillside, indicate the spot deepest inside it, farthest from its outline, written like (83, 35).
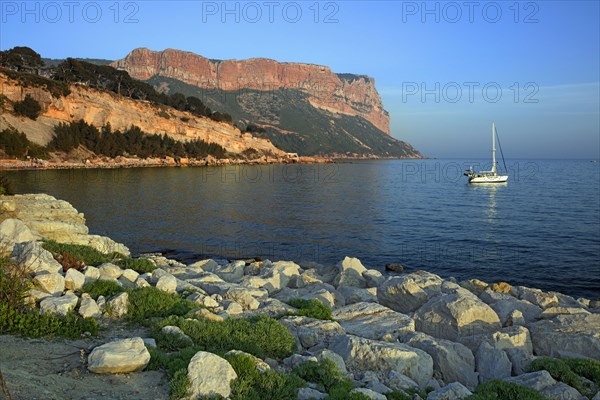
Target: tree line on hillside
(105, 141)
(103, 77)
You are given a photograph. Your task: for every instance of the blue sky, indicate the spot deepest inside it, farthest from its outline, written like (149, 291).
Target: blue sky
(531, 66)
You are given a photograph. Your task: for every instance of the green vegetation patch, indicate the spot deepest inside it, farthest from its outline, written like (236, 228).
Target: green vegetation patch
(28, 107)
(87, 254)
(499, 390)
(260, 336)
(329, 378)
(150, 302)
(311, 308)
(31, 323)
(251, 384)
(104, 288)
(561, 371)
(139, 265)
(179, 385)
(15, 144)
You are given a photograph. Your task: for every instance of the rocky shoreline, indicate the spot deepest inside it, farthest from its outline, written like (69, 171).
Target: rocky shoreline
(134, 162)
(413, 333)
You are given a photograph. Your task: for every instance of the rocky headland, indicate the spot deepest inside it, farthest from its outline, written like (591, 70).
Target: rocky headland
(412, 334)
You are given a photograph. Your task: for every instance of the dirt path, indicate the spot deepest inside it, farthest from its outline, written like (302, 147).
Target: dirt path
(39, 369)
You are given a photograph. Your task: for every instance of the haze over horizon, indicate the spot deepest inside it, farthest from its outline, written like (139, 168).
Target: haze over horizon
(445, 70)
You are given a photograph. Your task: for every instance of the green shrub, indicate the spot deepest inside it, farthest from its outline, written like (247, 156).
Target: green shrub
(589, 369)
(16, 144)
(254, 385)
(32, 323)
(561, 371)
(99, 287)
(329, 378)
(5, 186)
(312, 308)
(14, 283)
(28, 107)
(398, 396)
(150, 302)
(179, 385)
(499, 390)
(260, 336)
(87, 254)
(139, 265)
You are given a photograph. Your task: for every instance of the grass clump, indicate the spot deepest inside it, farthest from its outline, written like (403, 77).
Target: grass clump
(260, 336)
(99, 288)
(562, 371)
(251, 384)
(498, 390)
(589, 369)
(14, 283)
(31, 323)
(150, 302)
(87, 254)
(179, 385)
(312, 308)
(139, 265)
(328, 378)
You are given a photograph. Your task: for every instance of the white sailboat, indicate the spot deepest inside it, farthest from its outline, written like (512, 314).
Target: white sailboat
(488, 176)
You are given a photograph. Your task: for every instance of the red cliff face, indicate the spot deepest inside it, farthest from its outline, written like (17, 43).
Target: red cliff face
(352, 95)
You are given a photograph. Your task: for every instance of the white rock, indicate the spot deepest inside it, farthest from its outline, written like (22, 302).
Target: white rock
(369, 393)
(306, 393)
(130, 275)
(554, 311)
(453, 361)
(537, 297)
(89, 308)
(118, 357)
(91, 273)
(58, 305)
(243, 297)
(327, 354)
(295, 360)
(538, 380)
(373, 278)
(361, 354)
(562, 391)
(177, 332)
(141, 283)
(373, 321)
(209, 375)
(205, 265)
(354, 294)
(575, 335)
(50, 282)
(311, 332)
(167, 283)
(74, 279)
(13, 231)
(452, 391)
(449, 316)
(261, 366)
(492, 363)
(110, 270)
(35, 258)
(118, 305)
(407, 293)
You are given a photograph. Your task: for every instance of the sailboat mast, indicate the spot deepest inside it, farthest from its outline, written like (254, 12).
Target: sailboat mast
(493, 148)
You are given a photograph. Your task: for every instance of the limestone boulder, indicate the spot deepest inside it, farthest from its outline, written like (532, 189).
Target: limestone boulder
(354, 294)
(492, 363)
(373, 278)
(89, 308)
(109, 270)
(373, 321)
(49, 282)
(119, 357)
(453, 361)
(209, 375)
(537, 296)
(362, 354)
(167, 283)
(452, 391)
(13, 231)
(35, 258)
(58, 305)
(311, 332)
(576, 335)
(118, 305)
(74, 280)
(243, 297)
(407, 293)
(450, 316)
(368, 393)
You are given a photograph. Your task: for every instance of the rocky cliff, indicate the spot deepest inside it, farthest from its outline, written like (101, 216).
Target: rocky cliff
(99, 108)
(348, 94)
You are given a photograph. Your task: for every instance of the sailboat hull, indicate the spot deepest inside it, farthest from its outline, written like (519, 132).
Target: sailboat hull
(489, 179)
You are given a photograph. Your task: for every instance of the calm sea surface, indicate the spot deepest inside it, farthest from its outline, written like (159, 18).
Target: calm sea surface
(542, 229)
